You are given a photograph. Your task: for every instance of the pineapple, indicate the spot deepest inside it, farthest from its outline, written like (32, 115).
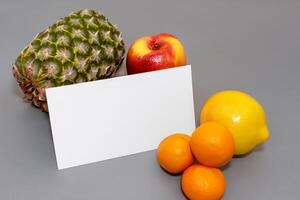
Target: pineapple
(83, 46)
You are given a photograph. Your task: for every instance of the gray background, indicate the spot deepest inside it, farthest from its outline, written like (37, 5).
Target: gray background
(231, 44)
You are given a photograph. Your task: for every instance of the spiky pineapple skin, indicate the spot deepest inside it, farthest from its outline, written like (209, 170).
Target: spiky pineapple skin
(83, 46)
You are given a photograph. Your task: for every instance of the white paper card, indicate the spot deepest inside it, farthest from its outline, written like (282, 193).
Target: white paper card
(115, 117)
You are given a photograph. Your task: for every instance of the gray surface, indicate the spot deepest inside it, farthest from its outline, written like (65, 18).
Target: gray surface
(248, 45)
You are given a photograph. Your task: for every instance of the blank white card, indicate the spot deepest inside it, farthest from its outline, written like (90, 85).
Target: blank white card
(115, 117)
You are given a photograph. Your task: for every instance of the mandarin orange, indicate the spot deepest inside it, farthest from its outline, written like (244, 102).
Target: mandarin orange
(212, 144)
(174, 153)
(203, 183)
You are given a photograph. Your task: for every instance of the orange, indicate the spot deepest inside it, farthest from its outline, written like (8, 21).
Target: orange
(203, 183)
(212, 144)
(174, 153)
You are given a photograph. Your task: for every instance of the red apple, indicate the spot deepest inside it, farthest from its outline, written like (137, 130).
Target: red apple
(150, 53)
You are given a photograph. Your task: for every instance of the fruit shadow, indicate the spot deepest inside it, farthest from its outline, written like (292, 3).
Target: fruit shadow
(225, 167)
(259, 148)
(175, 175)
(183, 192)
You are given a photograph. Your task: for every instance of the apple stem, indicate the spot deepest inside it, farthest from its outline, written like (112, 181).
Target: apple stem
(155, 46)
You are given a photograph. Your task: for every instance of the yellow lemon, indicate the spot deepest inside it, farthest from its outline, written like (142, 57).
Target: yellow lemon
(243, 116)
